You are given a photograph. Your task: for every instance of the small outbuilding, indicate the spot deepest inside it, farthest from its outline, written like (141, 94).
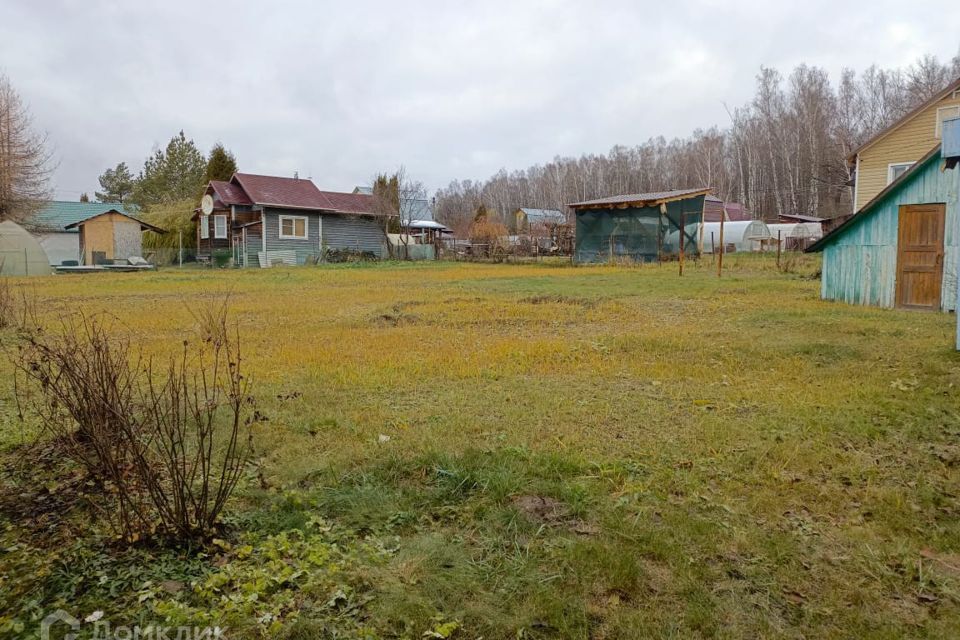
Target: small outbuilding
(526, 219)
(111, 237)
(900, 249)
(49, 226)
(645, 227)
(21, 253)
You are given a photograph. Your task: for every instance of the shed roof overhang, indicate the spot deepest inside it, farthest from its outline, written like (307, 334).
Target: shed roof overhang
(640, 199)
(144, 226)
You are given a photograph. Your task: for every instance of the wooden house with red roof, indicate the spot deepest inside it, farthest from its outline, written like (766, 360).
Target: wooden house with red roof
(259, 221)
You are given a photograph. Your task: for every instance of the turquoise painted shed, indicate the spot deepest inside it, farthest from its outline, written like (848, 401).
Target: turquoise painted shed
(901, 248)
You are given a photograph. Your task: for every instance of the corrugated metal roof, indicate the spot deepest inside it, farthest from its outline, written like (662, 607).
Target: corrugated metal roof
(801, 218)
(424, 224)
(543, 215)
(57, 214)
(654, 197)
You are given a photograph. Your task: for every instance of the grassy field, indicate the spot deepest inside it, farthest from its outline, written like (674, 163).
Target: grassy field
(539, 451)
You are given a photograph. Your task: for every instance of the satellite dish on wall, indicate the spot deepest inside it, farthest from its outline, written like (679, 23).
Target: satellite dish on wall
(206, 204)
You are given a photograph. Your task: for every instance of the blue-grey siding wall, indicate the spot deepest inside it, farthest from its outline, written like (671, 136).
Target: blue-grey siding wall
(324, 231)
(860, 263)
(276, 243)
(360, 233)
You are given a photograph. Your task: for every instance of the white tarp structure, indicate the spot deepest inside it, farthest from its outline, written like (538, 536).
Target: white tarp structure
(744, 235)
(20, 253)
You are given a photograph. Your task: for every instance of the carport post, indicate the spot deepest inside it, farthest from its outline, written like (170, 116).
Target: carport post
(720, 260)
(683, 232)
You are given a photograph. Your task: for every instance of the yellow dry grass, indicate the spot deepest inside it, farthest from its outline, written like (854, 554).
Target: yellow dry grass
(810, 438)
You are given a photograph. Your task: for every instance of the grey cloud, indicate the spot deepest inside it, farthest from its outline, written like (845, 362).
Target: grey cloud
(341, 90)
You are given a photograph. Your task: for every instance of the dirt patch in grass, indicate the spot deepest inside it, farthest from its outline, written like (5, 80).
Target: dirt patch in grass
(586, 303)
(540, 508)
(547, 510)
(397, 315)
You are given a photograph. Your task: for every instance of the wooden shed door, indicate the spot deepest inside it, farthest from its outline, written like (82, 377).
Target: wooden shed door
(920, 256)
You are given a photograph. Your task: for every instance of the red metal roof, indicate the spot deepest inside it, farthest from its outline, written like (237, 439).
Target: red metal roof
(229, 193)
(350, 202)
(292, 193)
(736, 212)
(298, 193)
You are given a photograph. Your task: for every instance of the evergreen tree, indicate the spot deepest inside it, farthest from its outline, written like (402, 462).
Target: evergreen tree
(84, 197)
(172, 174)
(221, 164)
(117, 184)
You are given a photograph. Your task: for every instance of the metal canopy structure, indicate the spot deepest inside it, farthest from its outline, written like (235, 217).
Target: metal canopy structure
(644, 227)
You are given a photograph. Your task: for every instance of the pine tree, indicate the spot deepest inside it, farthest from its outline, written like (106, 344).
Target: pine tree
(172, 174)
(221, 164)
(117, 184)
(84, 197)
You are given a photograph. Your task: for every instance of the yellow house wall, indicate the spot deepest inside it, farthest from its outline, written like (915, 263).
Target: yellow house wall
(907, 143)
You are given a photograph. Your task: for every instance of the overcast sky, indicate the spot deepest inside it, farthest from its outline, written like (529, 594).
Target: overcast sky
(341, 90)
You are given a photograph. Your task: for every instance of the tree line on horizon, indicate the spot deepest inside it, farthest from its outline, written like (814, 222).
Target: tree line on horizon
(783, 152)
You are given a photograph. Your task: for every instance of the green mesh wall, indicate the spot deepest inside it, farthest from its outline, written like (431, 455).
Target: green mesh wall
(643, 234)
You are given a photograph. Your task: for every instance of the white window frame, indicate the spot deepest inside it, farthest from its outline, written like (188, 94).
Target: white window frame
(204, 227)
(286, 236)
(217, 233)
(954, 113)
(891, 166)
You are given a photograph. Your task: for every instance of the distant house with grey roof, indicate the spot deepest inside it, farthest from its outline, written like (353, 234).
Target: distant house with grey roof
(416, 218)
(526, 218)
(55, 226)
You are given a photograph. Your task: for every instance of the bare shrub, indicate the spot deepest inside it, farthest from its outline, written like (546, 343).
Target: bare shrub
(167, 442)
(17, 308)
(489, 238)
(7, 305)
(211, 318)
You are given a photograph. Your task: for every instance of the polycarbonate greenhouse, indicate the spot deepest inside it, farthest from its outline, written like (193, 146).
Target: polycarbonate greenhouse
(20, 253)
(644, 227)
(740, 235)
